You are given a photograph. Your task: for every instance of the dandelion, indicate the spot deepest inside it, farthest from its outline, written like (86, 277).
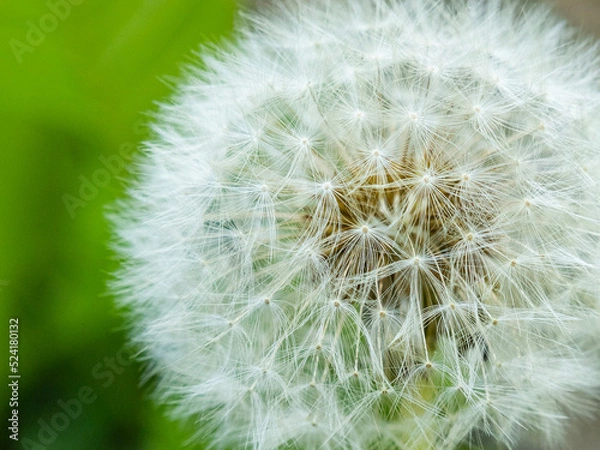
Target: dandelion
(374, 224)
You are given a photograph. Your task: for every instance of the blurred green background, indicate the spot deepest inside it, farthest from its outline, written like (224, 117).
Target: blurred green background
(76, 79)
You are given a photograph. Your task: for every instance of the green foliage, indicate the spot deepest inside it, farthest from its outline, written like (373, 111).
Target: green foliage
(73, 98)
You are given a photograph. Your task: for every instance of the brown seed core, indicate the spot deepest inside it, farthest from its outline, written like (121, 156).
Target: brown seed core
(415, 210)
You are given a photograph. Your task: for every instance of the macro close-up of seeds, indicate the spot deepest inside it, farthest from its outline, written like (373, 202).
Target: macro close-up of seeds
(373, 224)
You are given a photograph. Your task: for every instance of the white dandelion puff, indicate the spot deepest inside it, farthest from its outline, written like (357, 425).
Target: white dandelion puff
(374, 224)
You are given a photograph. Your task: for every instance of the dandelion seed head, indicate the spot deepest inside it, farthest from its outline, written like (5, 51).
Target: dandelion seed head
(374, 224)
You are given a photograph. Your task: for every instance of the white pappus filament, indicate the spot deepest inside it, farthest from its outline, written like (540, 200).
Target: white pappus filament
(373, 224)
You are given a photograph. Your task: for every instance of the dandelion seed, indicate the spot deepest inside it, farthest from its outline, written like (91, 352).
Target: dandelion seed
(374, 224)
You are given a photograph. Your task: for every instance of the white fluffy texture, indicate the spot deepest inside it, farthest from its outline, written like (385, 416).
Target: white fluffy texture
(374, 224)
